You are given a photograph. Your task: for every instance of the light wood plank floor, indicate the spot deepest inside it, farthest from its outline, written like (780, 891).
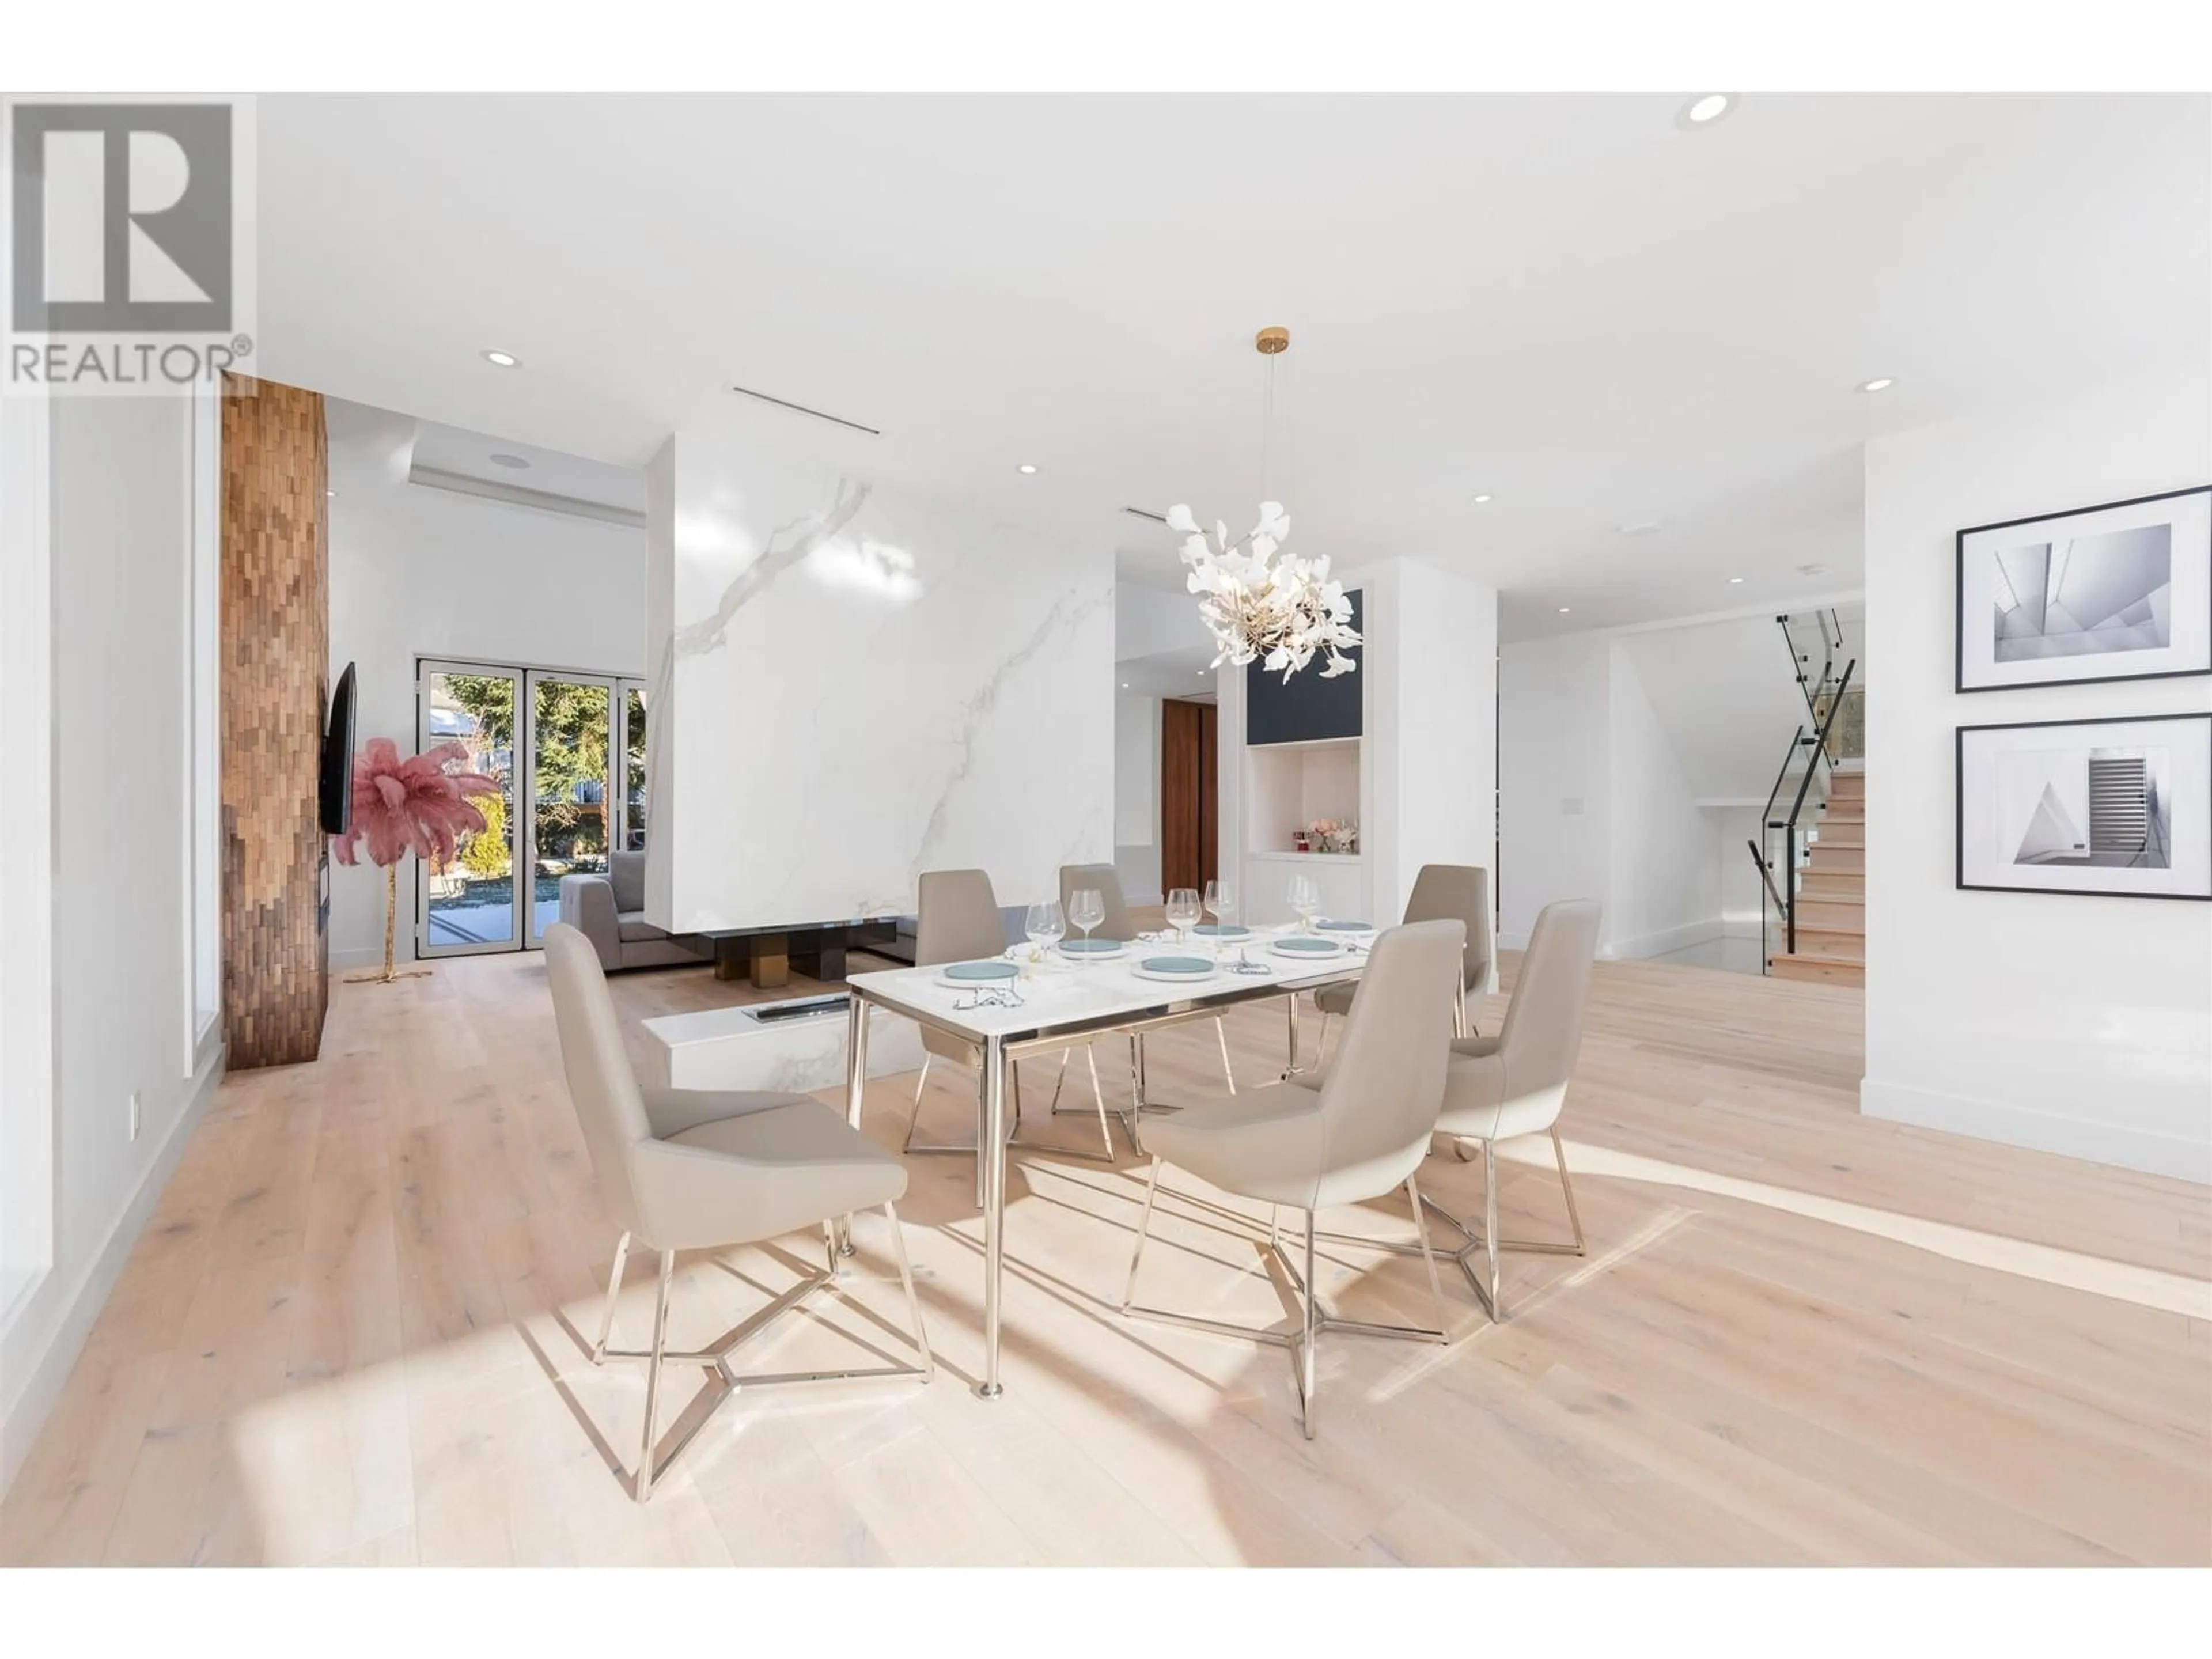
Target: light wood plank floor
(350, 1333)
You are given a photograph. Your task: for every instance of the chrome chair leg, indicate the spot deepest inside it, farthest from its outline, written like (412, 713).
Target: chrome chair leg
(913, 1301)
(1321, 1041)
(1567, 1187)
(914, 1117)
(1144, 1229)
(653, 1378)
(1428, 1256)
(1490, 1227)
(1228, 1072)
(1309, 1367)
(614, 1290)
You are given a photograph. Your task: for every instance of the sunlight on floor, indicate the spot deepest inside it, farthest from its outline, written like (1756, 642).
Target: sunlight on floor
(2146, 1287)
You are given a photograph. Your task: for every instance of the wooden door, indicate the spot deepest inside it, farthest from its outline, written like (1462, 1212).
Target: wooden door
(1189, 795)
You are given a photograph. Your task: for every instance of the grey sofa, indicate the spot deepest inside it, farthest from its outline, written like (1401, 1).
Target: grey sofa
(609, 911)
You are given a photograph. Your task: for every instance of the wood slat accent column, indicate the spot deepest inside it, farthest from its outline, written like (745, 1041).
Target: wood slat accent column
(276, 665)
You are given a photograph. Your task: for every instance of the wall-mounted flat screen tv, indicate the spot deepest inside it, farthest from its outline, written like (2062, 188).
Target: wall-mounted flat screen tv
(335, 782)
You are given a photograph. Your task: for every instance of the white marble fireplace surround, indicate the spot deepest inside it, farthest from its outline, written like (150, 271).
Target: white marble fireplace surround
(853, 685)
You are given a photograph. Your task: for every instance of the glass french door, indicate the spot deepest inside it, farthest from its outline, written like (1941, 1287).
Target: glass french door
(568, 751)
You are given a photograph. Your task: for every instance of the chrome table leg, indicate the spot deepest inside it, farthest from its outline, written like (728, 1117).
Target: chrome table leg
(992, 1158)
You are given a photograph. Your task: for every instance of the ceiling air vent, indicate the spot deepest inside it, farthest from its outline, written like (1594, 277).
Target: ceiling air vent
(801, 408)
(1140, 513)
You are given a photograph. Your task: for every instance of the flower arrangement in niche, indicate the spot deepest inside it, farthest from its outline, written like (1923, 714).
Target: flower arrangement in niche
(1333, 835)
(412, 805)
(1260, 606)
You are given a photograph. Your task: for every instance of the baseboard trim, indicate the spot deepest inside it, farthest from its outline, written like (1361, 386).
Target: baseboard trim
(1659, 944)
(368, 958)
(2042, 1132)
(23, 1416)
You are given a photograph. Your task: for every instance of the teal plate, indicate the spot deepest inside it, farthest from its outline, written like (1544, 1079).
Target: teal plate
(1229, 930)
(981, 970)
(1318, 947)
(1095, 947)
(1176, 965)
(1347, 926)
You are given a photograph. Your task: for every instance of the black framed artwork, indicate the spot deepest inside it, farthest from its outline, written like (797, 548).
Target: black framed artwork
(2120, 592)
(2114, 808)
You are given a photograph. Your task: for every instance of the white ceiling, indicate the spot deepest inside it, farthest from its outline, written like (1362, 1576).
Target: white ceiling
(1570, 302)
(451, 453)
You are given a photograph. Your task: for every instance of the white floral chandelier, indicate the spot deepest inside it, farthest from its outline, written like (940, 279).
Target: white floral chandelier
(1259, 605)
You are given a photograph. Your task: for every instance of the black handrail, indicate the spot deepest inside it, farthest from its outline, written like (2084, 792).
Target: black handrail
(1767, 877)
(1797, 807)
(1809, 687)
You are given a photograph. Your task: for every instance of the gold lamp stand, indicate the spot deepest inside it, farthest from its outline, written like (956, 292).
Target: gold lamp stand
(390, 924)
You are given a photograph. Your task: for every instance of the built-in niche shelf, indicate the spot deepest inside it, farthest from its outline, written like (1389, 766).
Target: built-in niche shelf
(1286, 786)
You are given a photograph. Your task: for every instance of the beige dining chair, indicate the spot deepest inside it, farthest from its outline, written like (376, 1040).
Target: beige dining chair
(1361, 1134)
(958, 919)
(1515, 1083)
(1120, 924)
(703, 1169)
(1459, 892)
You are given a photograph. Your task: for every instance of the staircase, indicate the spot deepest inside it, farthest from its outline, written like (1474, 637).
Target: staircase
(1831, 892)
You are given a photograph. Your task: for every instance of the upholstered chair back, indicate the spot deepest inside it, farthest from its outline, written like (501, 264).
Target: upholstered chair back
(959, 922)
(1074, 877)
(959, 919)
(1380, 1098)
(601, 1083)
(1457, 892)
(1543, 1028)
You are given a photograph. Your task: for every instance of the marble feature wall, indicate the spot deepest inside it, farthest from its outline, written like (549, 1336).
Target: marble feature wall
(851, 684)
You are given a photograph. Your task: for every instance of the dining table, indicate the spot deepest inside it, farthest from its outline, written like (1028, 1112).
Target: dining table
(1057, 997)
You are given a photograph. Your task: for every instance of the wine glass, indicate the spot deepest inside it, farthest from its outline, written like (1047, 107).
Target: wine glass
(1304, 897)
(1044, 926)
(1182, 912)
(1221, 904)
(1086, 908)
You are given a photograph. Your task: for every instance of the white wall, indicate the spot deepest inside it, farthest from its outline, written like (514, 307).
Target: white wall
(1435, 743)
(1136, 795)
(854, 684)
(1664, 882)
(1743, 896)
(2075, 1024)
(1726, 695)
(1150, 621)
(421, 571)
(1555, 778)
(121, 980)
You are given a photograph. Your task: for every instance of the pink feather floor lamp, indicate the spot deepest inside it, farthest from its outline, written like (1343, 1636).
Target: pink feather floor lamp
(402, 807)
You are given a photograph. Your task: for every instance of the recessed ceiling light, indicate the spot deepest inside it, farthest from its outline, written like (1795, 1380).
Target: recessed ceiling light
(329, 492)
(1880, 383)
(504, 359)
(514, 461)
(1026, 467)
(1563, 610)
(1706, 108)
(1640, 526)
(1480, 500)
(1125, 685)
(1736, 581)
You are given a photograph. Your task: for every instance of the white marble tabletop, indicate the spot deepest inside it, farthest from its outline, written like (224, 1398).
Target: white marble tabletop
(1057, 990)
